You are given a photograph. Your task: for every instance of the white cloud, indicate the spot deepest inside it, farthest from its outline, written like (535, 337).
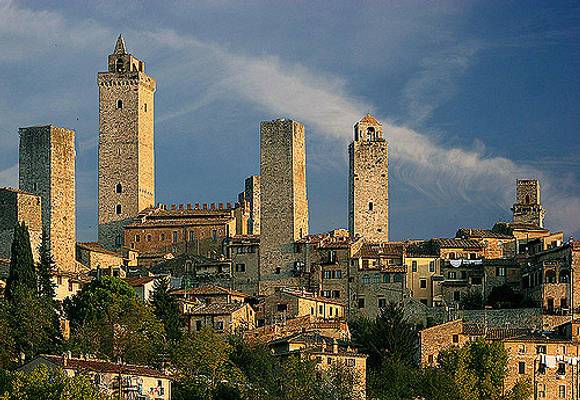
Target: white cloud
(9, 177)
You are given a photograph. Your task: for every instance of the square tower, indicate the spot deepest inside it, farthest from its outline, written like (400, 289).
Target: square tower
(368, 196)
(47, 169)
(528, 206)
(252, 195)
(126, 144)
(283, 201)
(17, 206)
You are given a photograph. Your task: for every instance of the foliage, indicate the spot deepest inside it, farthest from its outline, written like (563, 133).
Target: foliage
(7, 344)
(504, 297)
(472, 300)
(46, 269)
(109, 320)
(390, 335)
(166, 309)
(22, 273)
(47, 384)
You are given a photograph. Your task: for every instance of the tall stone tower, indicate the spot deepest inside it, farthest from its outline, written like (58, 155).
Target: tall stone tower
(368, 199)
(252, 195)
(47, 169)
(528, 207)
(126, 149)
(283, 202)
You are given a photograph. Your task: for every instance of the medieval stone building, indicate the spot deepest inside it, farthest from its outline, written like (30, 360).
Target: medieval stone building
(47, 169)
(126, 140)
(528, 207)
(283, 201)
(368, 200)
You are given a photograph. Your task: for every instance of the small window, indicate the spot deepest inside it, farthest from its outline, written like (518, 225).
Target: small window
(386, 278)
(278, 270)
(398, 277)
(174, 236)
(414, 266)
(500, 271)
(148, 238)
(145, 107)
(162, 237)
(282, 307)
(118, 240)
(562, 391)
(214, 234)
(521, 367)
(118, 209)
(382, 303)
(541, 349)
(219, 326)
(371, 206)
(366, 279)
(561, 369)
(361, 303)
(240, 267)
(456, 338)
(423, 283)
(336, 294)
(137, 238)
(119, 188)
(119, 104)
(456, 296)
(431, 266)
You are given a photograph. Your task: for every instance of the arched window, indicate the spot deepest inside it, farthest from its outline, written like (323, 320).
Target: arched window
(119, 104)
(118, 209)
(120, 65)
(370, 133)
(148, 238)
(564, 276)
(119, 188)
(366, 280)
(550, 277)
(527, 199)
(371, 205)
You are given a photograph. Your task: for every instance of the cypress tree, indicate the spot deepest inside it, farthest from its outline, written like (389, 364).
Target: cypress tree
(22, 273)
(166, 308)
(46, 269)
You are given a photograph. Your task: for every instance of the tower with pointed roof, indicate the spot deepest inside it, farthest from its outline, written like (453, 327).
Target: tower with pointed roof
(368, 200)
(126, 143)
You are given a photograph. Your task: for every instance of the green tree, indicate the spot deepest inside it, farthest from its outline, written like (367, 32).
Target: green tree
(22, 274)
(7, 344)
(472, 300)
(389, 336)
(109, 320)
(47, 384)
(46, 269)
(166, 309)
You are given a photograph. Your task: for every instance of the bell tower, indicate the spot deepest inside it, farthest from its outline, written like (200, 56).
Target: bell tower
(126, 143)
(528, 207)
(368, 200)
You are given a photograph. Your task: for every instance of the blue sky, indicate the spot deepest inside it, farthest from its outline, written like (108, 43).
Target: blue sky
(472, 96)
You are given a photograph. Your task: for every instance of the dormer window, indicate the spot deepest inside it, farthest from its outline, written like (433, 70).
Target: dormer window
(119, 104)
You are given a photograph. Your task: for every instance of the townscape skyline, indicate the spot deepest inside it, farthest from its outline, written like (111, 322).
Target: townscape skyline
(214, 90)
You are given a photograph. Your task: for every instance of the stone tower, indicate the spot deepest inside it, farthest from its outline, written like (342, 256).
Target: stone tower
(283, 202)
(47, 169)
(126, 152)
(528, 207)
(252, 195)
(368, 197)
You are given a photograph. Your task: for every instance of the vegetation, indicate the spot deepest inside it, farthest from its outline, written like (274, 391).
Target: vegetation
(166, 309)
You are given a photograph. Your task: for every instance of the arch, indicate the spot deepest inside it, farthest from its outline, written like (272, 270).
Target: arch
(119, 104)
(550, 276)
(366, 279)
(120, 66)
(564, 276)
(527, 199)
(118, 209)
(119, 188)
(371, 206)
(371, 134)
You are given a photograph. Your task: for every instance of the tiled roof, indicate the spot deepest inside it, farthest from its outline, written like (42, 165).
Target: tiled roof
(217, 309)
(97, 248)
(104, 366)
(480, 233)
(207, 291)
(141, 281)
(310, 296)
(457, 243)
(375, 250)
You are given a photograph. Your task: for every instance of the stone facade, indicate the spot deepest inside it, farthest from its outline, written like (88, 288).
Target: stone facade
(369, 181)
(244, 253)
(47, 169)
(437, 338)
(283, 202)
(126, 144)
(93, 256)
(528, 206)
(17, 207)
(251, 195)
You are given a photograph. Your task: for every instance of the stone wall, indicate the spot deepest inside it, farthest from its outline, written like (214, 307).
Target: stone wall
(437, 338)
(283, 201)
(47, 169)
(252, 195)
(126, 148)
(369, 182)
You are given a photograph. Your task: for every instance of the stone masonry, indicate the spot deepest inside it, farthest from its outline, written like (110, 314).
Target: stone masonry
(47, 169)
(126, 144)
(252, 195)
(283, 201)
(16, 207)
(528, 207)
(368, 198)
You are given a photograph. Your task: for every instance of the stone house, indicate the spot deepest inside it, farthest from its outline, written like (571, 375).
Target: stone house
(143, 287)
(228, 318)
(495, 244)
(113, 379)
(92, 255)
(68, 284)
(211, 294)
(244, 253)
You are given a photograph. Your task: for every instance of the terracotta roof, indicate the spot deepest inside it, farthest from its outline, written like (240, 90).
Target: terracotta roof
(141, 281)
(375, 250)
(208, 291)
(480, 233)
(310, 296)
(104, 366)
(369, 119)
(457, 243)
(97, 248)
(217, 309)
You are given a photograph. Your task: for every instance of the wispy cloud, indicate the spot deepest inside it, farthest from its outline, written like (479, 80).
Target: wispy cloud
(9, 177)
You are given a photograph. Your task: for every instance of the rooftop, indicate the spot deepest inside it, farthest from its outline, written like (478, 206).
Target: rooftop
(481, 233)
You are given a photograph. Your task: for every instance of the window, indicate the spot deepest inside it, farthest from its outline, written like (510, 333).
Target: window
(386, 278)
(472, 256)
(118, 240)
(455, 338)
(213, 234)
(562, 391)
(541, 349)
(332, 256)
(191, 236)
(282, 307)
(174, 236)
(371, 206)
(382, 303)
(361, 303)
(366, 280)
(377, 278)
(350, 362)
(118, 209)
(320, 310)
(561, 369)
(219, 326)
(522, 349)
(398, 277)
(476, 280)
(331, 311)
(240, 267)
(451, 275)
(431, 266)
(162, 237)
(456, 296)
(541, 391)
(119, 188)
(120, 65)
(198, 325)
(423, 283)
(59, 280)
(119, 104)
(137, 238)
(70, 285)
(148, 238)
(277, 270)
(336, 294)
(414, 266)
(521, 367)
(500, 271)
(452, 256)
(145, 107)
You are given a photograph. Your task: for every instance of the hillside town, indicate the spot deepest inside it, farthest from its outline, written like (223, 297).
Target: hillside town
(237, 299)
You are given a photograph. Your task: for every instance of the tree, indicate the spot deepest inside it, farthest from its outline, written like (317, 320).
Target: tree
(7, 343)
(504, 297)
(22, 274)
(472, 300)
(47, 384)
(389, 336)
(46, 269)
(166, 309)
(109, 320)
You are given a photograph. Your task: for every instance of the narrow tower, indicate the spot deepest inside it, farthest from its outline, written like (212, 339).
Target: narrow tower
(368, 200)
(528, 207)
(283, 201)
(126, 144)
(47, 169)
